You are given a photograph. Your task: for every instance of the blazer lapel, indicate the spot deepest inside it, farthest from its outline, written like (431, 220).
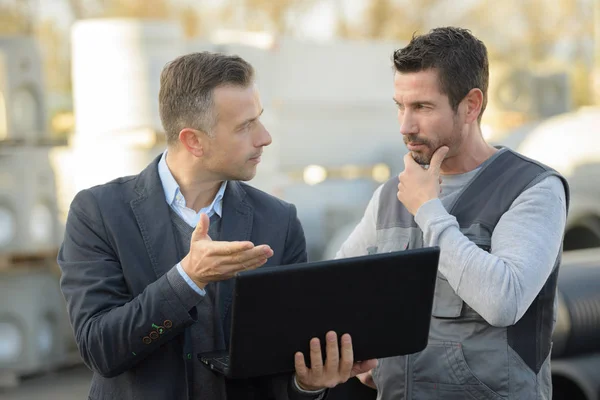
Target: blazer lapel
(236, 225)
(154, 220)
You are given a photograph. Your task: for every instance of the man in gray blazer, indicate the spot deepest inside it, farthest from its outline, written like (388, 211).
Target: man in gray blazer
(147, 260)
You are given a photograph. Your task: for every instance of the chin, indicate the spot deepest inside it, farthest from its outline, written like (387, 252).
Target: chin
(420, 158)
(244, 177)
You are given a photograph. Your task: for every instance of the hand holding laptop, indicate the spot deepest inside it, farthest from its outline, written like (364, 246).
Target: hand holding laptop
(209, 261)
(338, 368)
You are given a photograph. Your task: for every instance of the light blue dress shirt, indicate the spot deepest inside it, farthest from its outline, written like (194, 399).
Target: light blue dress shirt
(176, 201)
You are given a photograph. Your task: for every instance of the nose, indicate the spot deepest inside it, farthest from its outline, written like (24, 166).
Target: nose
(264, 137)
(408, 123)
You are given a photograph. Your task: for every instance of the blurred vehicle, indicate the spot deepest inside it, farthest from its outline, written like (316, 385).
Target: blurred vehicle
(570, 143)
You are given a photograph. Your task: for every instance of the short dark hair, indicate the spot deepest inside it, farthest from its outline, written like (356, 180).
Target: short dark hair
(187, 83)
(459, 57)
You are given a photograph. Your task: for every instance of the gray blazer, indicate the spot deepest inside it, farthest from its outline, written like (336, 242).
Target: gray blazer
(118, 247)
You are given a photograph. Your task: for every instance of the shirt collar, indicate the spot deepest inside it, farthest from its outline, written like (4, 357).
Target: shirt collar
(173, 195)
(169, 184)
(217, 204)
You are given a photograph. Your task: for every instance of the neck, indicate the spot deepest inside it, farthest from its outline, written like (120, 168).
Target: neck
(471, 153)
(198, 186)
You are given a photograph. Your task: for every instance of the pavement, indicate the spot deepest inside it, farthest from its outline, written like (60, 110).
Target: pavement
(65, 384)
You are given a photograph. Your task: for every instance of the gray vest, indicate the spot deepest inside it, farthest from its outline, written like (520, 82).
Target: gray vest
(203, 337)
(467, 358)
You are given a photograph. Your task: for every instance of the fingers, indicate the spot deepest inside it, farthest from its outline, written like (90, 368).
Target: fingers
(300, 365)
(347, 358)
(409, 160)
(332, 353)
(201, 230)
(360, 368)
(316, 358)
(229, 248)
(367, 379)
(336, 370)
(401, 189)
(401, 184)
(226, 259)
(365, 376)
(254, 263)
(249, 256)
(232, 269)
(368, 365)
(437, 159)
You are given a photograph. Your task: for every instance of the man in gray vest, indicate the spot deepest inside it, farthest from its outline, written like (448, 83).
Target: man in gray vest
(498, 219)
(145, 273)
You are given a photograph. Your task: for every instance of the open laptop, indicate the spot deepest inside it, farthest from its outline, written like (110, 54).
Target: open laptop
(383, 301)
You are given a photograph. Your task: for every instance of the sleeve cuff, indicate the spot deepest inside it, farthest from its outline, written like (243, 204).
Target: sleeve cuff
(318, 394)
(428, 212)
(187, 295)
(189, 280)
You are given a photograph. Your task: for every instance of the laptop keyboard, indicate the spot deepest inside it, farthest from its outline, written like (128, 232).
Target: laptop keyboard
(223, 360)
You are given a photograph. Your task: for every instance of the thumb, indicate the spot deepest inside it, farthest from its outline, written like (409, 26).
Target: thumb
(437, 159)
(201, 230)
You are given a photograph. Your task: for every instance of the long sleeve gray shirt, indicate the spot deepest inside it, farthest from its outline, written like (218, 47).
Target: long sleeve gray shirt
(499, 285)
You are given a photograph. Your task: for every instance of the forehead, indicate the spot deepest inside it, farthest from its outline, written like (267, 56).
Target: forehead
(417, 84)
(236, 102)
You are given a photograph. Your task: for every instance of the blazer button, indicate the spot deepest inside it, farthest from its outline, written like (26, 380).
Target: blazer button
(146, 340)
(153, 335)
(168, 324)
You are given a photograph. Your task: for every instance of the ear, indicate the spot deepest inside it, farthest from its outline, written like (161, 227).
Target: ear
(192, 140)
(473, 102)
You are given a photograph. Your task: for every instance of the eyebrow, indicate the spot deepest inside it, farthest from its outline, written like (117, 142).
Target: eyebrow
(413, 103)
(250, 120)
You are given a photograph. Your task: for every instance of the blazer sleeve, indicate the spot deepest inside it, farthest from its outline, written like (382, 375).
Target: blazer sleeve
(295, 242)
(113, 330)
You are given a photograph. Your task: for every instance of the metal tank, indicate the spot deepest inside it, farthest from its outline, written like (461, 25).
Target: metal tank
(34, 331)
(35, 334)
(116, 65)
(22, 106)
(28, 207)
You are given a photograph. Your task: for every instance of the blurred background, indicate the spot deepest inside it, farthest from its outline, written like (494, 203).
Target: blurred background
(79, 81)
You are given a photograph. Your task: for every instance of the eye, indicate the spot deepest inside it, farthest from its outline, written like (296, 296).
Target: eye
(246, 126)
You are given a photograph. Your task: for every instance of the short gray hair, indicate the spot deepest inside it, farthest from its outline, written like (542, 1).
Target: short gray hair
(187, 83)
